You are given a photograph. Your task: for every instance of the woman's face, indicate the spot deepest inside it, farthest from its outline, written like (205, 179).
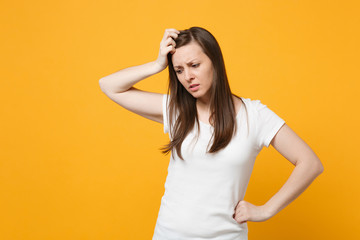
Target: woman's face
(193, 67)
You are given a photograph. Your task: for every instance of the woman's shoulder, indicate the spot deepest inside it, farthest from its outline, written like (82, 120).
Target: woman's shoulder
(247, 100)
(251, 104)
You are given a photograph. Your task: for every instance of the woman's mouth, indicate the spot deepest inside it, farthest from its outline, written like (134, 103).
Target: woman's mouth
(194, 87)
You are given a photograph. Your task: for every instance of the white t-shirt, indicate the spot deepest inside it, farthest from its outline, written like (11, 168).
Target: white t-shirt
(201, 193)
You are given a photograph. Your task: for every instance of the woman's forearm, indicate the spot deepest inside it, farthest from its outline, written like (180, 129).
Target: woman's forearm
(301, 177)
(124, 79)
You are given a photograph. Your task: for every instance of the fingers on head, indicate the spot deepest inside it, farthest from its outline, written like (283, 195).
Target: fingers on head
(171, 41)
(171, 32)
(167, 42)
(171, 49)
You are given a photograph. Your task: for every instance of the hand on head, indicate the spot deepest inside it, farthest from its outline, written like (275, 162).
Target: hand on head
(167, 45)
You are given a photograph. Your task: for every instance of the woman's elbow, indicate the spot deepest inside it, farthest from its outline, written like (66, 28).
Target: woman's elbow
(319, 166)
(313, 164)
(316, 164)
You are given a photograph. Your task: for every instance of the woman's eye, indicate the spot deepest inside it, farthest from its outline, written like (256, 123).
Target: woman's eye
(194, 65)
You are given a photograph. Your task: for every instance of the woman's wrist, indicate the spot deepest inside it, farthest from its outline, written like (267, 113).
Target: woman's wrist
(269, 210)
(157, 67)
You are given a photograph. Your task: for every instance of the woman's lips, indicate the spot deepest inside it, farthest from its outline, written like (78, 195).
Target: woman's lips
(194, 87)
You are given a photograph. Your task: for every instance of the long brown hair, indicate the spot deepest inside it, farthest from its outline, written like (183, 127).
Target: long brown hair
(222, 108)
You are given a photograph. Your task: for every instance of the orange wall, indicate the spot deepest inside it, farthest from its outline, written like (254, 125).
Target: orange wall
(75, 165)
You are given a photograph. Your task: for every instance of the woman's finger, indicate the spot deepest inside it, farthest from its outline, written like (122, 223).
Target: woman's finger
(170, 33)
(173, 35)
(173, 29)
(172, 49)
(169, 42)
(166, 49)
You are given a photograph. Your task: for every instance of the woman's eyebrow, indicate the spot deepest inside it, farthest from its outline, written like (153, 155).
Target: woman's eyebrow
(188, 63)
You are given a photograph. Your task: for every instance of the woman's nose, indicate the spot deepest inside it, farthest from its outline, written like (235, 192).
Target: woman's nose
(188, 75)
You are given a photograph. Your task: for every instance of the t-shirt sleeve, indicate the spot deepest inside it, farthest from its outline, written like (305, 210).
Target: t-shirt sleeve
(268, 124)
(165, 113)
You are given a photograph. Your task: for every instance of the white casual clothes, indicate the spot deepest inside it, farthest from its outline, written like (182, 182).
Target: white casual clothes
(202, 191)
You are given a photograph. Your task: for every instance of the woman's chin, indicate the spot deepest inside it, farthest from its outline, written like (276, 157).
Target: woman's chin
(195, 95)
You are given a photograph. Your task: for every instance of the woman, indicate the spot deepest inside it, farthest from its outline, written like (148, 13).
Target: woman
(215, 138)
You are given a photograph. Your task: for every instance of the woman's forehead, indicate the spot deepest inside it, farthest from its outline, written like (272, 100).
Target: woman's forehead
(188, 53)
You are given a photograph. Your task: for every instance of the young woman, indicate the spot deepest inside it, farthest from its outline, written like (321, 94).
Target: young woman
(215, 137)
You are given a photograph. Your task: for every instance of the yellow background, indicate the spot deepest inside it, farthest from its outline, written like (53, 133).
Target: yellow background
(75, 165)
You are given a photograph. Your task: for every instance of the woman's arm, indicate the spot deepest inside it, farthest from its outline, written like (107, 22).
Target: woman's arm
(124, 79)
(307, 168)
(119, 85)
